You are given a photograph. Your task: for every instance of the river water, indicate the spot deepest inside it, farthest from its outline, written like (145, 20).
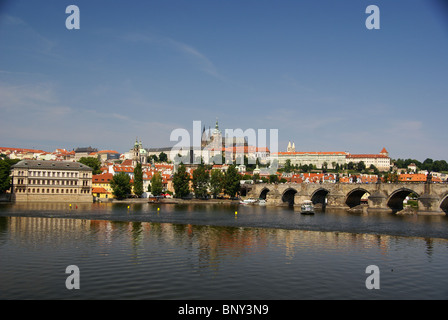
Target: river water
(223, 252)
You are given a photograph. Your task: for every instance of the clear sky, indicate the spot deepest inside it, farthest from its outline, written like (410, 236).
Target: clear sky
(309, 68)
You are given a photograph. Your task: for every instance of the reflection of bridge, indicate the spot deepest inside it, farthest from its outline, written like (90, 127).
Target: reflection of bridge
(432, 197)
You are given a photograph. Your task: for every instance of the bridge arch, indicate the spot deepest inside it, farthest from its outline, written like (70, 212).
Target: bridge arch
(396, 198)
(264, 193)
(288, 196)
(444, 203)
(319, 196)
(355, 196)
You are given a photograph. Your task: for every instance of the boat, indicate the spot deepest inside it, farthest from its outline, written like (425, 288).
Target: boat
(248, 201)
(307, 207)
(261, 202)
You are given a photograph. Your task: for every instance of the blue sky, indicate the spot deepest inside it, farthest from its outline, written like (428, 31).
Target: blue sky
(310, 69)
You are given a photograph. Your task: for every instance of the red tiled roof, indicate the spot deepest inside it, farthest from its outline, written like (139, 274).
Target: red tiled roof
(99, 190)
(354, 156)
(102, 178)
(312, 153)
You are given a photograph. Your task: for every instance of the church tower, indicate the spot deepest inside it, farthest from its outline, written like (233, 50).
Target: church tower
(135, 153)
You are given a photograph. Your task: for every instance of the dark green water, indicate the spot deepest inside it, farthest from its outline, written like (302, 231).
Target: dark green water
(208, 252)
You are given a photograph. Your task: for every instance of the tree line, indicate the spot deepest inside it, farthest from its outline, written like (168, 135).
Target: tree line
(428, 164)
(203, 183)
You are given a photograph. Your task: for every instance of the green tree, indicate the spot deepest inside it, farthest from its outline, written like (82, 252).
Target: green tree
(153, 157)
(5, 171)
(121, 185)
(200, 181)
(288, 167)
(360, 166)
(163, 157)
(216, 182)
(156, 184)
(93, 163)
(231, 181)
(181, 182)
(138, 180)
(273, 178)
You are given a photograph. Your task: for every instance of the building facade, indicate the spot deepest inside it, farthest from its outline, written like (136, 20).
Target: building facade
(381, 161)
(317, 159)
(51, 181)
(101, 188)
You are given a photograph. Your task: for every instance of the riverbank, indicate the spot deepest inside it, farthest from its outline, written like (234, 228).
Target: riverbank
(174, 201)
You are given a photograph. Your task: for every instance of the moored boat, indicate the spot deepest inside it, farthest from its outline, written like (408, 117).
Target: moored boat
(248, 201)
(307, 207)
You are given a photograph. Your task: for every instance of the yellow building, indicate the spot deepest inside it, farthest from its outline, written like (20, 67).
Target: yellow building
(101, 186)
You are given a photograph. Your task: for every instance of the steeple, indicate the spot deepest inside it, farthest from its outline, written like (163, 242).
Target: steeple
(216, 127)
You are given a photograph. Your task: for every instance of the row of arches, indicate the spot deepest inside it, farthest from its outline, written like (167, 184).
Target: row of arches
(353, 198)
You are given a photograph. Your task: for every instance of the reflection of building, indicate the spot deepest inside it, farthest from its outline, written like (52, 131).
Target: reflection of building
(35, 180)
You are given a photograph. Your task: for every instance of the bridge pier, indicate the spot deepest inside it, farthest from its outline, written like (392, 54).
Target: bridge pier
(300, 197)
(377, 201)
(336, 200)
(429, 205)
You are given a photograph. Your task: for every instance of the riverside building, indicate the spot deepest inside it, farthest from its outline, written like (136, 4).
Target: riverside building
(51, 181)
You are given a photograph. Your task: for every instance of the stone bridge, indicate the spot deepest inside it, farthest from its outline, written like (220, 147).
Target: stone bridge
(432, 197)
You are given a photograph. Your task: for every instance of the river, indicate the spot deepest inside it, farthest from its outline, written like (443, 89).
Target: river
(148, 251)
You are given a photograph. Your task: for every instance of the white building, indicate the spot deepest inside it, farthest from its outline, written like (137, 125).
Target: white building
(380, 161)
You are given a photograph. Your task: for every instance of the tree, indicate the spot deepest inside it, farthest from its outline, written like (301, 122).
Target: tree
(360, 166)
(288, 167)
(5, 171)
(231, 181)
(163, 157)
(121, 185)
(273, 178)
(156, 184)
(93, 163)
(200, 181)
(138, 180)
(153, 157)
(216, 182)
(181, 182)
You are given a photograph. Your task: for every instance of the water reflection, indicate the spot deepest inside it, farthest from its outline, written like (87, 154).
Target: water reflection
(152, 260)
(213, 243)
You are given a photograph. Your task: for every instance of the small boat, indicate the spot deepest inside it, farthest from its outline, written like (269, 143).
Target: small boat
(248, 201)
(307, 207)
(261, 202)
